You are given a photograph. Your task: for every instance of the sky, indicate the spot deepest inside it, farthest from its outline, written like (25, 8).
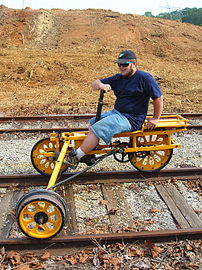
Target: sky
(129, 6)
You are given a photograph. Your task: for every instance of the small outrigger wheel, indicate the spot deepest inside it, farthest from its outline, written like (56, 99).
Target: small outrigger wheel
(41, 213)
(151, 161)
(44, 156)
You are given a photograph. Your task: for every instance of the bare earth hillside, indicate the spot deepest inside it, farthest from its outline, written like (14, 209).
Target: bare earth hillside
(48, 58)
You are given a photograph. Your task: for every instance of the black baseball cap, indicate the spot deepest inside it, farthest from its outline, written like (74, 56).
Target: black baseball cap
(126, 56)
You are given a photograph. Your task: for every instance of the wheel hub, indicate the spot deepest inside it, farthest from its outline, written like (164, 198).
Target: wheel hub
(41, 218)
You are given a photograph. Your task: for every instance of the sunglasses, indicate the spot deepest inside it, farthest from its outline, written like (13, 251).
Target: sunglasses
(125, 64)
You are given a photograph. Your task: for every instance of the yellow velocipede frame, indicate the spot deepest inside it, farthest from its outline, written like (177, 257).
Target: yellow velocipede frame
(41, 213)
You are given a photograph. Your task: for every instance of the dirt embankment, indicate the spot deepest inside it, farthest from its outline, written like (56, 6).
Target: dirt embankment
(48, 58)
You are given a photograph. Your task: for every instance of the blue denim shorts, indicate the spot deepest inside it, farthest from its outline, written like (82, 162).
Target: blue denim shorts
(110, 123)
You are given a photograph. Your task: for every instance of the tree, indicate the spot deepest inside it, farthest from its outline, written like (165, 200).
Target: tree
(189, 15)
(148, 14)
(194, 16)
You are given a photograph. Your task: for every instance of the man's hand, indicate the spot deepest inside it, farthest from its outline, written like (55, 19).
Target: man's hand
(98, 85)
(152, 122)
(107, 88)
(158, 107)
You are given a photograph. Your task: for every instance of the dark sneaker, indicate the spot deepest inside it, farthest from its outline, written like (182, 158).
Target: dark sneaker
(88, 159)
(71, 159)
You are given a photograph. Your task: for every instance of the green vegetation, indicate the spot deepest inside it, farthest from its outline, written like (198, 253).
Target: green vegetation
(188, 15)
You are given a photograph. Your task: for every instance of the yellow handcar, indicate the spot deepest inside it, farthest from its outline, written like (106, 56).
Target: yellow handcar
(41, 213)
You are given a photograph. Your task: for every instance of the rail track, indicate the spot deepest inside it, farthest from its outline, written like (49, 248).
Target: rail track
(74, 117)
(68, 122)
(100, 177)
(117, 222)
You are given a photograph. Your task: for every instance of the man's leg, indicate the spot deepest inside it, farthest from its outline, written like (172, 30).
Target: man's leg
(104, 129)
(89, 143)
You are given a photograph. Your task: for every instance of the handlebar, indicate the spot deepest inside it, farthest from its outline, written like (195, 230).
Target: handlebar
(100, 104)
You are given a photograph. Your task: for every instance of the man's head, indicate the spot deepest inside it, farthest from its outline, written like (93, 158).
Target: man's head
(127, 63)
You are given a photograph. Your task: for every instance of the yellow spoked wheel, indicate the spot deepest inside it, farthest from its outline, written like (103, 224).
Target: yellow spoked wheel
(44, 156)
(41, 214)
(150, 161)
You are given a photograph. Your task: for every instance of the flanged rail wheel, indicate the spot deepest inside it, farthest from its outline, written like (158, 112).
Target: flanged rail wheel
(150, 161)
(41, 213)
(44, 156)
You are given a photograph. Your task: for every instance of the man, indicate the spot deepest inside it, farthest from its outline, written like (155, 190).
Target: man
(133, 89)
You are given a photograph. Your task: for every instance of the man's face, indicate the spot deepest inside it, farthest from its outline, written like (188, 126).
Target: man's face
(127, 69)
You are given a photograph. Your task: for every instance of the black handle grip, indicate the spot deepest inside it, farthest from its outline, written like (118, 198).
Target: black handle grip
(100, 104)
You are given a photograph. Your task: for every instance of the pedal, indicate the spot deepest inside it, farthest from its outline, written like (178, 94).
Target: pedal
(88, 159)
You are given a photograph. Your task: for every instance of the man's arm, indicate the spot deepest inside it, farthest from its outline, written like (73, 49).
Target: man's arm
(158, 108)
(98, 85)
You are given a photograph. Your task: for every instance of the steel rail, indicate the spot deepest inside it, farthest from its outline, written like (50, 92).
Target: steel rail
(33, 130)
(75, 117)
(89, 238)
(103, 177)
(46, 117)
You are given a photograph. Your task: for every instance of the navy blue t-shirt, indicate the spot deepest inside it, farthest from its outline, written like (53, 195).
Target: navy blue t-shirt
(133, 95)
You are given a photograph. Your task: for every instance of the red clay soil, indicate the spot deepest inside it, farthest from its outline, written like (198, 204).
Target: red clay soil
(48, 58)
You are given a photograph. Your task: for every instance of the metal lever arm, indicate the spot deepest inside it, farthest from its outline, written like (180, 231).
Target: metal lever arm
(100, 104)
